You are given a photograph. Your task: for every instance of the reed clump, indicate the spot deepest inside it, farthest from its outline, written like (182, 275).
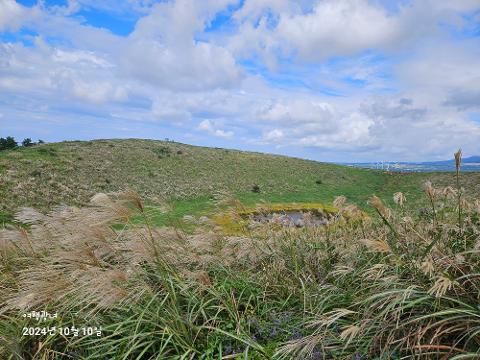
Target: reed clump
(401, 284)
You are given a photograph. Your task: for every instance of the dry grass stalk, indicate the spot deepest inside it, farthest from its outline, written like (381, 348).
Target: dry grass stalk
(458, 160)
(430, 191)
(381, 208)
(399, 198)
(377, 246)
(339, 201)
(441, 286)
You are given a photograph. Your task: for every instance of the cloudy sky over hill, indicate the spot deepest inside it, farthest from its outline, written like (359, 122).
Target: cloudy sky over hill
(346, 80)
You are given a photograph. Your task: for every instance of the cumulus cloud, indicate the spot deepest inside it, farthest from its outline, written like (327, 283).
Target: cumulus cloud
(338, 28)
(353, 134)
(11, 15)
(300, 112)
(314, 124)
(162, 49)
(197, 67)
(211, 128)
(58, 72)
(164, 108)
(393, 109)
(402, 130)
(274, 135)
(332, 28)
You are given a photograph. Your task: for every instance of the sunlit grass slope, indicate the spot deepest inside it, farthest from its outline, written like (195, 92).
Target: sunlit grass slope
(189, 176)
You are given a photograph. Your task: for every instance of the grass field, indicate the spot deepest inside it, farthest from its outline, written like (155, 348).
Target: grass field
(389, 277)
(189, 177)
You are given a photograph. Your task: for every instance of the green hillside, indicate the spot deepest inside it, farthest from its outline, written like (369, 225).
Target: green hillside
(71, 172)
(400, 282)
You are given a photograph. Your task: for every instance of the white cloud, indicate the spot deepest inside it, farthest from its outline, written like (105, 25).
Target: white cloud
(210, 127)
(300, 112)
(315, 124)
(200, 66)
(70, 8)
(436, 71)
(316, 32)
(162, 49)
(11, 15)
(338, 28)
(97, 92)
(168, 110)
(403, 130)
(79, 58)
(274, 135)
(331, 28)
(58, 74)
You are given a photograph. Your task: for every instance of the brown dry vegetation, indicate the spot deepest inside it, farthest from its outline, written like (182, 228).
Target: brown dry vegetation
(397, 285)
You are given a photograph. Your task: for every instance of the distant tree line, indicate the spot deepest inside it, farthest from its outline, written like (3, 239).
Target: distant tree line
(9, 143)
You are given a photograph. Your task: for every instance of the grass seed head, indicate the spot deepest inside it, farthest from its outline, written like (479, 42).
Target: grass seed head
(449, 192)
(458, 160)
(430, 190)
(381, 208)
(441, 286)
(349, 333)
(399, 198)
(380, 246)
(339, 201)
(427, 267)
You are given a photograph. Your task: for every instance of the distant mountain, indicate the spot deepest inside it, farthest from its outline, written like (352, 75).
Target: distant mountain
(471, 163)
(468, 160)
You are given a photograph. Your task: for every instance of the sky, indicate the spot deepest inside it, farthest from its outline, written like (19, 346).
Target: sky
(330, 80)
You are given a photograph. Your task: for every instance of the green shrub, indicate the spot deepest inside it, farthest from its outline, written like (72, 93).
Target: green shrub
(8, 143)
(27, 142)
(162, 151)
(255, 188)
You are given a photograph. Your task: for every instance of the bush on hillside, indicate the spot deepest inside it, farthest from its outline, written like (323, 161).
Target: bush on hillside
(255, 188)
(27, 142)
(8, 143)
(162, 151)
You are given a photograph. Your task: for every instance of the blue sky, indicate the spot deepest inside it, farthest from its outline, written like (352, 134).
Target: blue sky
(349, 80)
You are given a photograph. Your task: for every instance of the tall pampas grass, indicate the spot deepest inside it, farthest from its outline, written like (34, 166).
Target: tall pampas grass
(458, 161)
(395, 286)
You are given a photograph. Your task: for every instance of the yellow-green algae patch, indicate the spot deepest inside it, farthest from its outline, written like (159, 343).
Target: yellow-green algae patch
(288, 207)
(235, 220)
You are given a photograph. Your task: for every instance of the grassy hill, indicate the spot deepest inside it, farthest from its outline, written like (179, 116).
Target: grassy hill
(71, 172)
(402, 283)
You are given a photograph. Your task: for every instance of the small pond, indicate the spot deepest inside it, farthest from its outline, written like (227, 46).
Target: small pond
(292, 218)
